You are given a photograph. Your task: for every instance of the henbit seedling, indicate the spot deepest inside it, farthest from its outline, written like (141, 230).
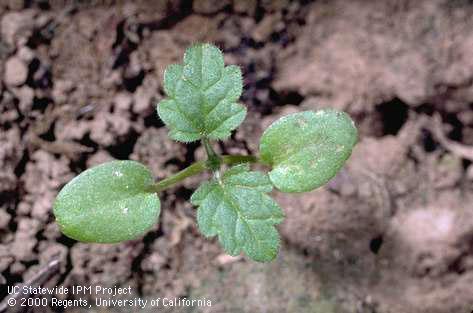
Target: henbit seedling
(117, 201)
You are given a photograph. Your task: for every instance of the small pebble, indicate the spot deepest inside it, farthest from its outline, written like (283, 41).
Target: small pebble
(16, 72)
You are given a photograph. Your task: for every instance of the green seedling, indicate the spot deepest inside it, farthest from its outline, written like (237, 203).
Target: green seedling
(117, 201)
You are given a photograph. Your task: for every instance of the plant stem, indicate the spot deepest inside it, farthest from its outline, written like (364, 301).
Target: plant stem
(237, 159)
(189, 171)
(198, 168)
(208, 148)
(213, 159)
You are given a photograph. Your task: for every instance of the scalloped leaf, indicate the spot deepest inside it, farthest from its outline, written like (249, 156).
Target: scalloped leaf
(202, 95)
(307, 149)
(108, 203)
(236, 207)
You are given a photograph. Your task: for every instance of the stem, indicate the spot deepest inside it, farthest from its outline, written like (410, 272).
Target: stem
(237, 159)
(213, 159)
(189, 171)
(208, 148)
(198, 168)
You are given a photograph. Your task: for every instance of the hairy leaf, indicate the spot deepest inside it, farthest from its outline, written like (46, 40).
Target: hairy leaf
(237, 209)
(202, 95)
(108, 203)
(307, 149)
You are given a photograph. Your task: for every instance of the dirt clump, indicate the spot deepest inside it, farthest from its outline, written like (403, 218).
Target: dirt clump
(355, 55)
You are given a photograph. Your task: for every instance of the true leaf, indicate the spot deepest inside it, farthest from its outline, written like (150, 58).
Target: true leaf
(307, 149)
(202, 95)
(236, 207)
(108, 203)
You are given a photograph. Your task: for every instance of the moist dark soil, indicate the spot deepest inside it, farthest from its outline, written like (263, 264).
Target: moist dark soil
(392, 232)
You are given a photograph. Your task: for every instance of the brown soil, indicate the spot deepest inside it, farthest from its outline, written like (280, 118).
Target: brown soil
(393, 232)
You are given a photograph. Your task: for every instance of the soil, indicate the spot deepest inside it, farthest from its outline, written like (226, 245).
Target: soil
(392, 232)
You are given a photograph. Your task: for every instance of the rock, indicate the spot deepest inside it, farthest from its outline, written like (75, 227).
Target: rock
(26, 95)
(4, 219)
(271, 23)
(41, 209)
(426, 248)
(123, 101)
(133, 69)
(146, 96)
(245, 6)
(426, 238)
(26, 54)
(17, 25)
(106, 127)
(6, 258)
(17, 268)
(52, 232)
(25, 241)
(16, 72)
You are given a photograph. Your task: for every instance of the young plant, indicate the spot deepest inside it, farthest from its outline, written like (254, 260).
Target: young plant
(118, 200)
